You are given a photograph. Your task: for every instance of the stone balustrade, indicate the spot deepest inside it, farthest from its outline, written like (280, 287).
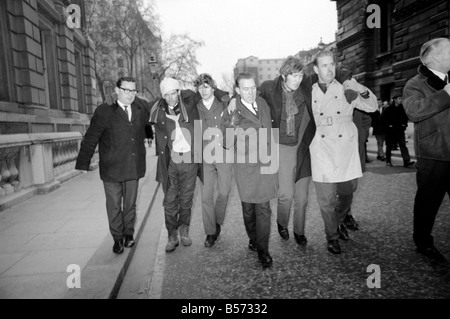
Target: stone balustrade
(35, 163)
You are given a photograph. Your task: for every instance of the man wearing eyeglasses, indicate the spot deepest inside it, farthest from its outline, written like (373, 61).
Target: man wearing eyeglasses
(426, 100)
(119, 131)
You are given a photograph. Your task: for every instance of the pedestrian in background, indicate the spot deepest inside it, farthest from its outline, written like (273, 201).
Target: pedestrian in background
(396, 123)
(119, 131)
(427, 104)
(379, 131)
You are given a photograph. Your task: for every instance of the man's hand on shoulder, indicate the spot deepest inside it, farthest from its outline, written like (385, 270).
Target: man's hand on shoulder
(447, 88)
(232, 105)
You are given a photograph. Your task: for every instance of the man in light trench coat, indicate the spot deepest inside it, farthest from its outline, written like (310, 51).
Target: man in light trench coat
(335, 161)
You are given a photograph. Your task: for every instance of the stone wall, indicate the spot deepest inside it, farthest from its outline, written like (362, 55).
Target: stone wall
(44, 81)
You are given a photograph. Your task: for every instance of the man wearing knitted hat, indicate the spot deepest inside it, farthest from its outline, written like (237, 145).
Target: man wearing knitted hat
(173, 117)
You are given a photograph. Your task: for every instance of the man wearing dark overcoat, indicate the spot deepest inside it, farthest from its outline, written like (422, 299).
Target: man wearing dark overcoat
(119, 132)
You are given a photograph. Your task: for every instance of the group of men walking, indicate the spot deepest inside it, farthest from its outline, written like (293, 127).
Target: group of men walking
(299, 128)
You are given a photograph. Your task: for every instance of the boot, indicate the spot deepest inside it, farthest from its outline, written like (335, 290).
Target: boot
(184, 234)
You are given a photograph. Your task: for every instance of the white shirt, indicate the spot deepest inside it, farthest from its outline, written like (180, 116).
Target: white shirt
(439, 74)
(249, 106)
(127, 110)
(208, 103)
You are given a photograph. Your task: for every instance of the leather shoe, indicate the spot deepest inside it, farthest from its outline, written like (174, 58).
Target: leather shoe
(265, 259)
(351, 223)
(343, 233)
(210, 240)
(252, 245)
(129, 241)
(381, 158)
(333, 246)
(118, 246)
(409, 163)
(389, 164)
(284, 232)
(432, 252)
(300, 239)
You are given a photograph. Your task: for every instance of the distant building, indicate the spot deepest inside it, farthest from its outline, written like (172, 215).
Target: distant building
(47, 68)
(385, 58)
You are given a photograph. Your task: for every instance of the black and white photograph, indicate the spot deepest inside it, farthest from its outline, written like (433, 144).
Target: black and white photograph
(226, 157)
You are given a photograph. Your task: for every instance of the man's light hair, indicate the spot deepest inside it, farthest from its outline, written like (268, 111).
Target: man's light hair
(429, 47)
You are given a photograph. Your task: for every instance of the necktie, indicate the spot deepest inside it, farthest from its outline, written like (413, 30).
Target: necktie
(255, 108)
(128, 112)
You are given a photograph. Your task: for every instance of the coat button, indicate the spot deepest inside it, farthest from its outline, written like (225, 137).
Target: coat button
(338, 112)
(323, 136)
(335, 97)
(340, 135)
(321, 114)
(165, 137)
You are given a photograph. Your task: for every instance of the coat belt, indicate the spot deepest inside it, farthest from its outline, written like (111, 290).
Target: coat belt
(333, 120)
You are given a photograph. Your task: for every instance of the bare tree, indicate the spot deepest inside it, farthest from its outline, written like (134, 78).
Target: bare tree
(227, 82)
(121, 32)
(179, 58)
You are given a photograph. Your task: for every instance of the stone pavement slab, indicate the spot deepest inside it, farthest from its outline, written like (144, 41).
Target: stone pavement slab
(42, 236)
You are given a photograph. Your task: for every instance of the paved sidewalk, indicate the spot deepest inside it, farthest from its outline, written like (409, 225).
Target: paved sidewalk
(41, 237)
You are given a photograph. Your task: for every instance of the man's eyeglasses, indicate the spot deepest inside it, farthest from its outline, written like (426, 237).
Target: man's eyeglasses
(129, 91)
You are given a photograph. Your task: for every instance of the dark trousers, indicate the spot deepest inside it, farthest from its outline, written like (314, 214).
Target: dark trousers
(179, 195)
(335, 200)
(433, 181)
(394, 136)
(121, 207)
(257, 224)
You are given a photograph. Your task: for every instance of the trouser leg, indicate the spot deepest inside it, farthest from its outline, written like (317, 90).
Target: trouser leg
(224, 177)
(344, 198)
(113, 194)
(209, 217)
(263, 215)
(300, 204)
(249, 215)
(326, 197)
(433, 181)
(286, 182)
(130, 192)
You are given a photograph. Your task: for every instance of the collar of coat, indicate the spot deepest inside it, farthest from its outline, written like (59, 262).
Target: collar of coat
(432, 79)
(162, 103)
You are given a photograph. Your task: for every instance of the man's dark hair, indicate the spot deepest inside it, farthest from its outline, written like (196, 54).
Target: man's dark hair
(291, 65)
(205, 78)
(125, 79)
(244, 75)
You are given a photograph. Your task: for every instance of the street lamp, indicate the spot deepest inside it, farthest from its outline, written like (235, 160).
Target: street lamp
(153, 63)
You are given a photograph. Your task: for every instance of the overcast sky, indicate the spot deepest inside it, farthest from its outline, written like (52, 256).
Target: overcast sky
(233, 29)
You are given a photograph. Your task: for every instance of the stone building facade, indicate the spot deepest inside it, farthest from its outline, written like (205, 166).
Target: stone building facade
(47, 68)
(385, 57)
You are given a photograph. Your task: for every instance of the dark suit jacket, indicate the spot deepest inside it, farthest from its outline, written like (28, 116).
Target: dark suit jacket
(121, 142)
(271, 91)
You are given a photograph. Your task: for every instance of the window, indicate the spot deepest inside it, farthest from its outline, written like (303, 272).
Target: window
(50, 65)
(5, 58)
(80, 78)
(385, 34)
